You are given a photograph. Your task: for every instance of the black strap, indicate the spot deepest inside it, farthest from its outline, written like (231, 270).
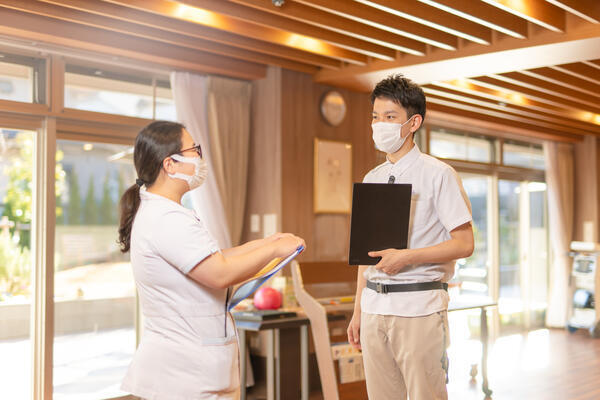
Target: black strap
(406, 287)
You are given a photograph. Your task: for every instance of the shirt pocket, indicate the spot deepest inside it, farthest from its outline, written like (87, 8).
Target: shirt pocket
(421, 208)
(218, 364)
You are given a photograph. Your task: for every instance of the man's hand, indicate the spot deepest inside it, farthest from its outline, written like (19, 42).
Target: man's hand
(354, 331)
(392, 260)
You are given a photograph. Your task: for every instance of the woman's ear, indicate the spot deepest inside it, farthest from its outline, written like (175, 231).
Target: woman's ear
(169, 165)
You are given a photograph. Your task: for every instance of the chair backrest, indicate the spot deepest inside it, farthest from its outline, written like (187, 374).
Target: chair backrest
(327, 272)
(328, 278)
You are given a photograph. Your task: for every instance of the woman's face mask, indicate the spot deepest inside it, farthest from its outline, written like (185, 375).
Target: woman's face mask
(388, 136)
(200, 171)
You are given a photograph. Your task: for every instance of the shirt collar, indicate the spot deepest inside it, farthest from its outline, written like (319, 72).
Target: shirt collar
(406, 161)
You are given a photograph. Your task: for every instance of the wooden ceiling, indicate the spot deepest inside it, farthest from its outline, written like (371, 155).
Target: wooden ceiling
(531, 64)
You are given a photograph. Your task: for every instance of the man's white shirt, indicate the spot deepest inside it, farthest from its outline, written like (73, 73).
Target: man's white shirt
(439, 204)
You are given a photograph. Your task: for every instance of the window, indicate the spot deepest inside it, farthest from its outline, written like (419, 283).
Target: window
(459, 146)
(16, 165)
(93, 89)
(526, 155)
(473, 272)
(94, 291)
(22, 78)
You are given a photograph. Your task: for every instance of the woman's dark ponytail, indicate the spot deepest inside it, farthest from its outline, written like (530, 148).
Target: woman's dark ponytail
(154, 143)
(129, 204)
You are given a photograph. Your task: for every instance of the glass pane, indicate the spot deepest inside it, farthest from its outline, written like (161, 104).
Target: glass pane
(16, 165)
(16, 82)
(95, 93)
(165, 105)
(523, 155)
(538, 253)
(108, 92)
(459, 146)
(94, 289)
(510, 300)
(472, 273)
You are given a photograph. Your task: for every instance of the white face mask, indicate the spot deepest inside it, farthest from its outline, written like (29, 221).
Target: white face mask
(388, 136)
(200, 171)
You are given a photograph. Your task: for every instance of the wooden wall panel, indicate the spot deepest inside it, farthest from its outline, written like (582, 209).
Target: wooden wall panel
(326, 235)
(587, 183)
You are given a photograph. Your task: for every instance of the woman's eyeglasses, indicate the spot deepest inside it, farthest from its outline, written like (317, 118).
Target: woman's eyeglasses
(196, 147)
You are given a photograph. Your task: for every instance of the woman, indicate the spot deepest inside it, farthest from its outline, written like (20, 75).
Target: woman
(189, 347)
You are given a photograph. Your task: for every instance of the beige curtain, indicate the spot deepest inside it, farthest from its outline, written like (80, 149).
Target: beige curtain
(229, 131)
(560, 180)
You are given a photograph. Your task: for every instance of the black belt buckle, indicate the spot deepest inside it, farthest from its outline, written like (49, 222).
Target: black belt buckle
(381, 288)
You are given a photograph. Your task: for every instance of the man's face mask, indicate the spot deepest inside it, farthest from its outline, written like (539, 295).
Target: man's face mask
(200, 170)
(388, 136)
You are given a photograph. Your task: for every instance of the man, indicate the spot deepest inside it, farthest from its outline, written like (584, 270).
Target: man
(402, 327)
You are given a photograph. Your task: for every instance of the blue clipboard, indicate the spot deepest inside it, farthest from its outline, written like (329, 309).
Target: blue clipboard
(246, 289)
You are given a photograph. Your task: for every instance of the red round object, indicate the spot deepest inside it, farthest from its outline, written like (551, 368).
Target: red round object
(267, 298)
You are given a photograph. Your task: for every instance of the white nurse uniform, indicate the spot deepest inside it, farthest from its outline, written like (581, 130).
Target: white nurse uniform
(189, 348)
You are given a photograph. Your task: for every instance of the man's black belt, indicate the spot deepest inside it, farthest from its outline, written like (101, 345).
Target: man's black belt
(406, 287)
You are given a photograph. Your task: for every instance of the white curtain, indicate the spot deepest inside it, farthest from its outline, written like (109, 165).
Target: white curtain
(229, 128)
(560, 181)
(190, 93)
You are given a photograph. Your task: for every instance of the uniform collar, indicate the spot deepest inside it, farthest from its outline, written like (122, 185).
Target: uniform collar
(165, 204)
(405, 162)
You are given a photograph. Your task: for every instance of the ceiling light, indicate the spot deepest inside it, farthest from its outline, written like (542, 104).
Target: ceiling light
(88, 147)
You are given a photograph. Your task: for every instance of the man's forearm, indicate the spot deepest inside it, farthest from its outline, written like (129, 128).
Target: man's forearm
(449, 250)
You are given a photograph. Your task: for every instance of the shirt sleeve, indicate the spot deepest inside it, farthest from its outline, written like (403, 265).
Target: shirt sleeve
(451, 202)
(183, 241)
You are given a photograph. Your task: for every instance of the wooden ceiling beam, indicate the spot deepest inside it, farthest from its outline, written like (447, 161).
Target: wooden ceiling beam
(483, 14)
(98, 21)
(581, 118)
(52, 31)
(536, 11)
(260, 19)
(322, 19)
(481, 114)
(581, 71)
(197, 31)
(240, 27)
(527, 117)
(440, 116)
(586, 9)
(383, 20)
(520, 84)
(503, 104)
(566, 79)
(434, 18)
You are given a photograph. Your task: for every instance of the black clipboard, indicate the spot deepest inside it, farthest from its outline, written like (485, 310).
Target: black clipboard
(380, 220)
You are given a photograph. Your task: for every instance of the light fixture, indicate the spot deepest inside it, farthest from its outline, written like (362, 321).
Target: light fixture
(88, 147)
(278, 3)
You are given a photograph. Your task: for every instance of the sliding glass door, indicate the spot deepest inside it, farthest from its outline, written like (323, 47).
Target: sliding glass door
(16, 261)
(94, 292)
(523, 245)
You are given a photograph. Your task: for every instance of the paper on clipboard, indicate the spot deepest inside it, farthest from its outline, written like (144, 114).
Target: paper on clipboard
(250, 286)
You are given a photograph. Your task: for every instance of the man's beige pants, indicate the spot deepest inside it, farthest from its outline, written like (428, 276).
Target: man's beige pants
(405, 355)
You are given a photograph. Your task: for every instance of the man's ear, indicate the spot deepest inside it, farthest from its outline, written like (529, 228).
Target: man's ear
(416, 123)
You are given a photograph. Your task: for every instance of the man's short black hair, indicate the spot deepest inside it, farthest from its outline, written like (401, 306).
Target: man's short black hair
(403, 92)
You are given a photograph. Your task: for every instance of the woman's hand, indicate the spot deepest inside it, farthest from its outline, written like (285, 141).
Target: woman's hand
(286, 244)
(276, 236)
